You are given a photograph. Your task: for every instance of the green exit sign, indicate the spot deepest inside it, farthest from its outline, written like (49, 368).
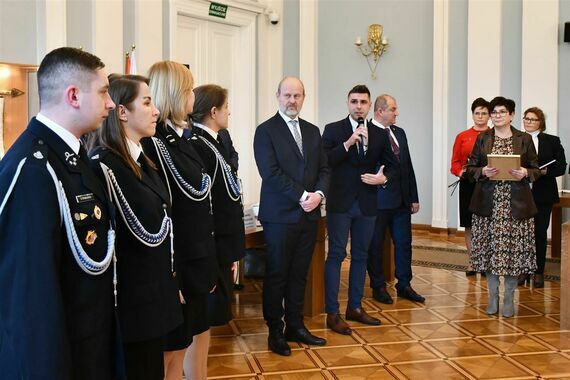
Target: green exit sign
(218, 10)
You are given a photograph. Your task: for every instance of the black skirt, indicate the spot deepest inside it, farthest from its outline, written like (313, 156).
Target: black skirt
(466, 189)
(195, 322)
(220, 302)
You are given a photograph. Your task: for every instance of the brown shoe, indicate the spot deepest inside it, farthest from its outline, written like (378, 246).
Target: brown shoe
(359, 315)
(337, 324)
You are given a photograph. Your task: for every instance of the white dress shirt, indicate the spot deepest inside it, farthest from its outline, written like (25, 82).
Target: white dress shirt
(379, 125)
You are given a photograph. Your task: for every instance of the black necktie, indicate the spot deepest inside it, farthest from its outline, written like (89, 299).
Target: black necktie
(395, 147)
(83, 154)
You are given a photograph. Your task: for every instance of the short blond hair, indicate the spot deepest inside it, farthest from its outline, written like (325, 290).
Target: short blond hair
(171, 84)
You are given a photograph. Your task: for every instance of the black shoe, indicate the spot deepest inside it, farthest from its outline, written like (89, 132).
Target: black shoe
(538, 281)
(381, 295)
(470, 273)
(304, 336)
(410, 294)
(523, 278)
(278, 344)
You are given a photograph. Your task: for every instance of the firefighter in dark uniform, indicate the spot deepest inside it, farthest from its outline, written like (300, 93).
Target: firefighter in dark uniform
(56, 239)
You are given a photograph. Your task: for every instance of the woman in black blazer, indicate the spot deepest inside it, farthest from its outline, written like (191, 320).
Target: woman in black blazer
(182, 169)
(147, 300)
(544, 190)
(210, 115)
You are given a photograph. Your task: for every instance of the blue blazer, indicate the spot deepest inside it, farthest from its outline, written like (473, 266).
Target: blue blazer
(347, 166)
(401, 189)
(285, 173)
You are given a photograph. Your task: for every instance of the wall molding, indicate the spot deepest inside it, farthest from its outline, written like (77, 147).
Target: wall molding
(308, 57)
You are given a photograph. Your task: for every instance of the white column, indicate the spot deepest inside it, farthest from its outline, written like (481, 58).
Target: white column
(108, 34)
(308, 57)
(539, 71)
(483, 51)
(440, 112)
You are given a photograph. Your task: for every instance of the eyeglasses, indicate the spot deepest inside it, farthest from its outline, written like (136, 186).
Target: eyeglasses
(529, 120)
(499, 113)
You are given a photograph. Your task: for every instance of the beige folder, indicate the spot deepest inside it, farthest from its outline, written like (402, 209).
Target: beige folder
(504, 162)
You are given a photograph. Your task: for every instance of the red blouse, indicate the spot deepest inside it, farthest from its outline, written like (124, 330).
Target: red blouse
(462, 148)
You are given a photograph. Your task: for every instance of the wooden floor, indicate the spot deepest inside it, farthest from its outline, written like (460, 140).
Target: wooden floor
(450, 337)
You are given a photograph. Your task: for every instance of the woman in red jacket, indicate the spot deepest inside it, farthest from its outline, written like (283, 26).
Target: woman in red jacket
(461, 150)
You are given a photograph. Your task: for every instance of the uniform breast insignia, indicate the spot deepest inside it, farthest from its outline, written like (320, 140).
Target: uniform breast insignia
(97, 212)
(38, 155)
(95, 157)
(71, 159)
(84, 197)
(80, 216)
(90, 237)
(193, 138)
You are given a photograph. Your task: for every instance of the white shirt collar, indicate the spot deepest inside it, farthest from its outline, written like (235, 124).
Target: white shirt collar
(533, 133)
(134, 149)
(207, 129)
(287, 118)
(63, 133)
(378, 124)
(179, 131)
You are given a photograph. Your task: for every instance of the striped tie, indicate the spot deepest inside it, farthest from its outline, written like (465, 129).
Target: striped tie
(297, 136)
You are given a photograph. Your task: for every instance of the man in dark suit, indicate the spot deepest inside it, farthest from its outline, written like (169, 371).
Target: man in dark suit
(56, 239)
(353, 148)
(397, 201)
(295, 179)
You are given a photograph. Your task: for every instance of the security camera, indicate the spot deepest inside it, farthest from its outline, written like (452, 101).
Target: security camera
(273, 17)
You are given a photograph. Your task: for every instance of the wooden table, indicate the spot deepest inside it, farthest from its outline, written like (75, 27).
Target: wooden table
(315, 289)
(557, 223)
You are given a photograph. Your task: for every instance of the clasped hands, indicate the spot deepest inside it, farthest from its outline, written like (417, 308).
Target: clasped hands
(311, 202)
(517, 173)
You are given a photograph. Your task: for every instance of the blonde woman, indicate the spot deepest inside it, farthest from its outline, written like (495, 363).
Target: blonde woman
(182, 169)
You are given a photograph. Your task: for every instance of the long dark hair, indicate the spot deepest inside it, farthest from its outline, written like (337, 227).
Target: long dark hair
(123, 89)
(207, 97)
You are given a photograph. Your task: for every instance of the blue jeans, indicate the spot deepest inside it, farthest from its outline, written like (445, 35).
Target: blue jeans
(361, 228)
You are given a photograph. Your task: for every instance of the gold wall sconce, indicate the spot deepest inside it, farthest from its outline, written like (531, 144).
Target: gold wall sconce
(374, 48)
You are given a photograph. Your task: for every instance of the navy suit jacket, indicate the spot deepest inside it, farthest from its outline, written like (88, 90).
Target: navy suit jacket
(285, 173)
(347, 166)
(401, 189)
(545, 189)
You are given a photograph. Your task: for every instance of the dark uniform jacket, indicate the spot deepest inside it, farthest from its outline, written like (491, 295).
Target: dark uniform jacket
(148, 301)
(522, 203)
(228, 214)
(194, 244)
(347, 167)
(56, 321)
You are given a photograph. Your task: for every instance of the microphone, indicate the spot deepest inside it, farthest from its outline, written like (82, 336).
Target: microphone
(363, 144)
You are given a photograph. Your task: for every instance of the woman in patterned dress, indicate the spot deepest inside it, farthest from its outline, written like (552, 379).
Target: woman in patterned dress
(503, 227)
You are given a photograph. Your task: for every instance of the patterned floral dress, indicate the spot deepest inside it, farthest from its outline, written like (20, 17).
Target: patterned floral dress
(501, 244)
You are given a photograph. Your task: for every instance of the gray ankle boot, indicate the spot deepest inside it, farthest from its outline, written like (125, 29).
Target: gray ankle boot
(511, 283)
(493, 288)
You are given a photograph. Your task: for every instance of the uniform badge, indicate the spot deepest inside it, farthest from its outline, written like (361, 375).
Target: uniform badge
(91, 237)
(97, 212)
(80, 216)
(38, 155)
(71, 158)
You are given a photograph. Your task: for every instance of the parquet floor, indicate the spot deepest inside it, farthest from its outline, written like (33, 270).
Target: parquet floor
(450, 337)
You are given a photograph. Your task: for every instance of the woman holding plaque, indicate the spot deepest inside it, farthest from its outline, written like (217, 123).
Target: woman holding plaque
(552, 162)
(503, 210)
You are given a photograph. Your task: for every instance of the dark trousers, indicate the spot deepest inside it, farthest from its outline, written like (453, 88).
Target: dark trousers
(144, 360)
(361, 228)
(289, 251)
(400, 223)
(541, 223)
